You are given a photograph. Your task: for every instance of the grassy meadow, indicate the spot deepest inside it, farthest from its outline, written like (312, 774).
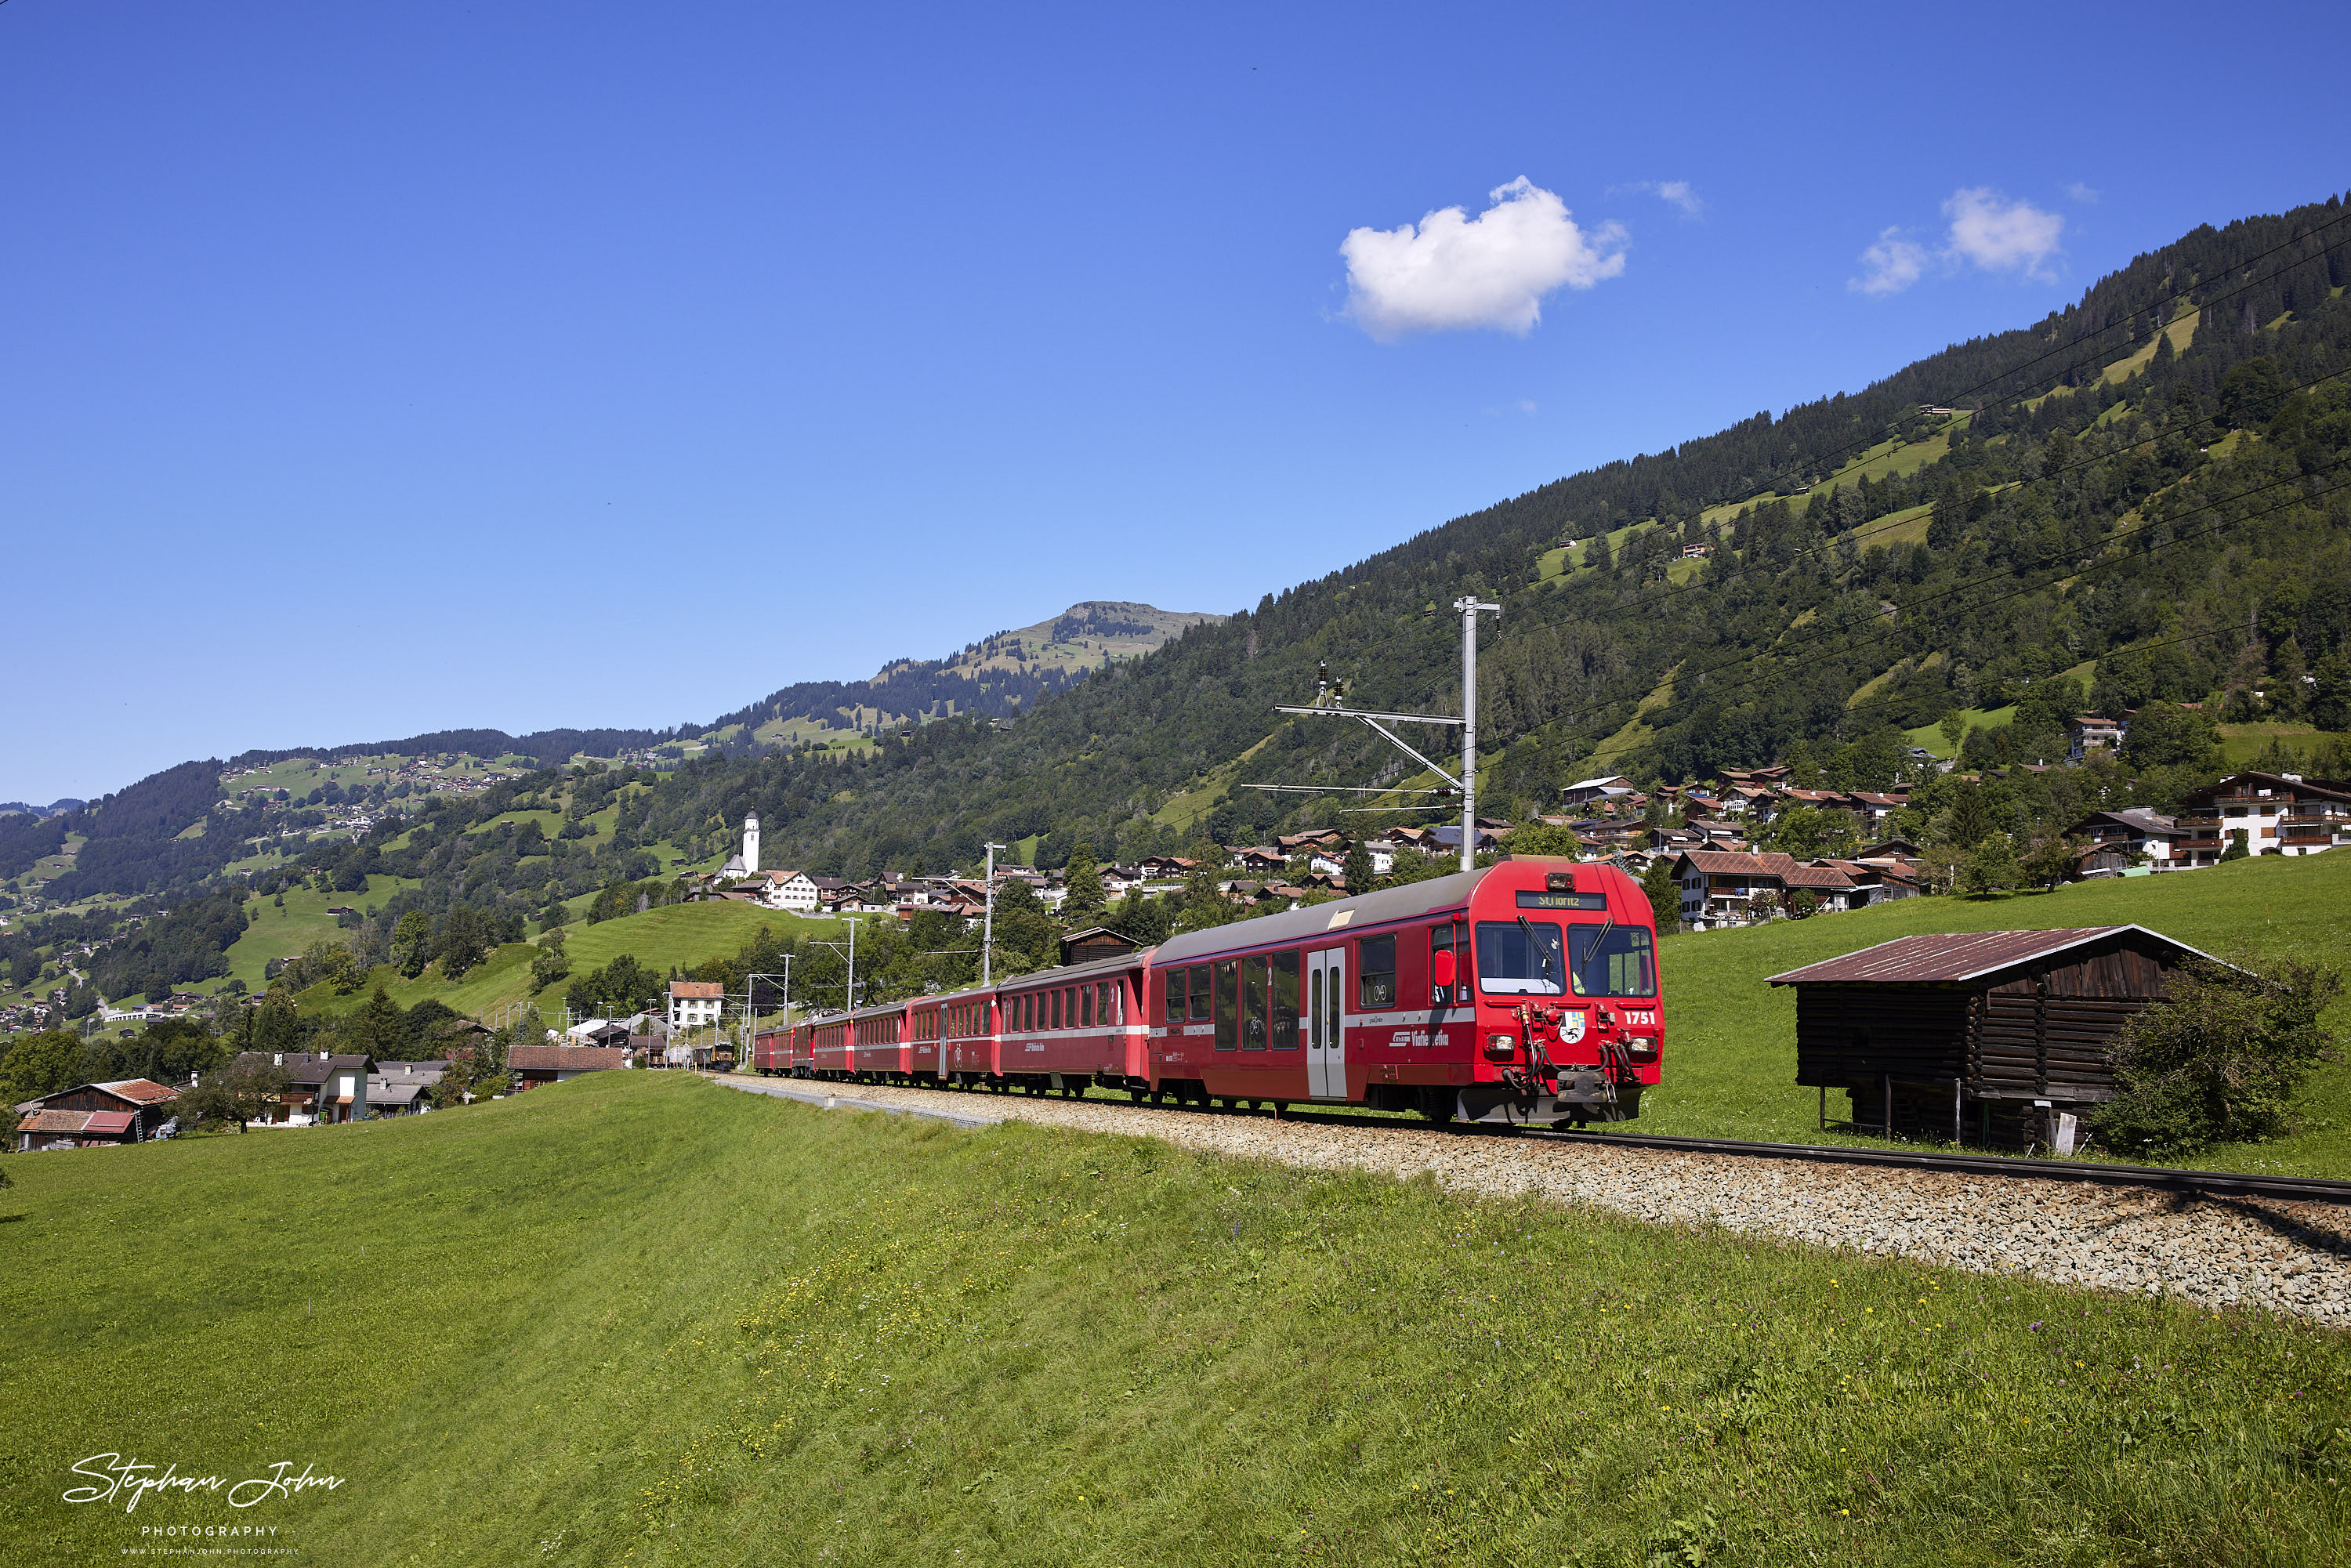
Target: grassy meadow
(641, 1318)
(1731, 1039)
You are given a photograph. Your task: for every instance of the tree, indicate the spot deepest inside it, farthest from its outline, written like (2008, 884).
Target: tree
(411, 943)
(2330, 699)
(1665, 895)
(549, 965)
(43, 1063)
(2164, 735)
(1991, 866)
(2051, 861)
(237, 1093)
(1537, 839)
(1953, 724)
(2221, 1061)
(1141, 918)
(376, 1027)
(464, 941)
(1800, 902)
(1082, 898)
(1357, 869)
(277, 1027)
(2237, 849)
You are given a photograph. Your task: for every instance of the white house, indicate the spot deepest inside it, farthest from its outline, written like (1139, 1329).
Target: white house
(792, 890)
(1584, 791)
(694, 1003)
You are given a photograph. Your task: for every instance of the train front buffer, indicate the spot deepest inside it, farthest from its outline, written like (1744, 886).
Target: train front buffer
(1576, 1061)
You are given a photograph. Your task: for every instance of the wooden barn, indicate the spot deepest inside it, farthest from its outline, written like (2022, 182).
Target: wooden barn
(1998, 1039)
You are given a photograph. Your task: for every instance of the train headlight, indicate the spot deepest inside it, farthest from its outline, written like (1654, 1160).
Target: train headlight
(1502, 1047)
(1640, 1047)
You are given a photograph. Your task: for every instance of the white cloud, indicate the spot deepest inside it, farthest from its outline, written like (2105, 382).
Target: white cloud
(1987, 230)
(1526, 406)
(1677, 191)
(1456, 273)
(1890, 265)
(2081, 193)
(2001, 236)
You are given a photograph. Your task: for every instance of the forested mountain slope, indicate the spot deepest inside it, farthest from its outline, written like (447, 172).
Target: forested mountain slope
(2147, 482)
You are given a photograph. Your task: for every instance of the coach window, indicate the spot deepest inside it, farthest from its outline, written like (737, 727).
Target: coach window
(1285, 1001)
(1175, 997)
(1228, 1002)
(1253, 1003)
(1057, 997)
(1200, 993)
(1376, 972)
(1085, 1007)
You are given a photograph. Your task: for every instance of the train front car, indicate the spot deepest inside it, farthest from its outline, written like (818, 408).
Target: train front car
(1559, 962)
(1525, 992)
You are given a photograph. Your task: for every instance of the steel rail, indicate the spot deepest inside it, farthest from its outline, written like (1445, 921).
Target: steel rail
(2210, 1183)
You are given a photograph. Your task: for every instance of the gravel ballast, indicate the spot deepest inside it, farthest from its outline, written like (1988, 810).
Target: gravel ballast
(2216, 1252)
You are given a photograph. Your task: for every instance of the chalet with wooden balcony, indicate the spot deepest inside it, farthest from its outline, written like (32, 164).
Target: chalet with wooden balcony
(2278, 813)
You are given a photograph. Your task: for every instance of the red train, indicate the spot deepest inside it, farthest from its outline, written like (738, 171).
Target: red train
(1524, 992)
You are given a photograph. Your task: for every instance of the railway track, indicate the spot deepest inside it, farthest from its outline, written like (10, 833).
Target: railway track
(2196, 1182)
(2202, 1184)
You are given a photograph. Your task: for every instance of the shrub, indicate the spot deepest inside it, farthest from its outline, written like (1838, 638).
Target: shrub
(2221, 1061)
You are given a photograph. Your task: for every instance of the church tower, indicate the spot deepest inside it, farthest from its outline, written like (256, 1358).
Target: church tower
(751, 844)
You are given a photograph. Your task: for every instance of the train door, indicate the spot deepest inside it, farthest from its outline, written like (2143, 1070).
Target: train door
(1326, 1038)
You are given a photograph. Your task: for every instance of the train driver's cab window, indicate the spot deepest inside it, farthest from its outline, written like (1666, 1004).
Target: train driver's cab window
(1520, 957)
(1200, 993)
(1229, 1003)
(1615, 961)
(1376, 972)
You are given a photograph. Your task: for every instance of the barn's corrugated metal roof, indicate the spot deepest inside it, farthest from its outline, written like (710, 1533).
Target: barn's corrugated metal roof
(111, 1122)
(1962, 956)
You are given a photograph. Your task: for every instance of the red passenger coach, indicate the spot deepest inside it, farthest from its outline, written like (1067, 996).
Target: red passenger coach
(1523, 992)
(1076, 1026)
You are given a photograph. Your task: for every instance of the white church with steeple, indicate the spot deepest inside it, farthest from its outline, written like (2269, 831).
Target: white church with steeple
(746, 864)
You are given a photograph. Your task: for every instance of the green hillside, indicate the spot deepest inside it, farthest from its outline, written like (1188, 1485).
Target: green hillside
(679, 935)
(638, 1318)
(1731, 1039)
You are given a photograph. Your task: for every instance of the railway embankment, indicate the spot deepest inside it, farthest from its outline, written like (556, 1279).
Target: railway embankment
(2233, 1252)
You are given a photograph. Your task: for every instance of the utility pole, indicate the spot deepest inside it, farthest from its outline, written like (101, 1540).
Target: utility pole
(1468, 605)
(988, 917)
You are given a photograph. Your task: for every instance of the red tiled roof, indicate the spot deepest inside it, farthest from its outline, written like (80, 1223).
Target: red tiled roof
(1967, 955)
(55, 1122)
(1732, 863)
(696, 990)
(1816, 876)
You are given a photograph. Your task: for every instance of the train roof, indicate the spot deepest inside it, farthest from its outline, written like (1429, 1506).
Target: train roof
(1405, 903)
(1086, 971)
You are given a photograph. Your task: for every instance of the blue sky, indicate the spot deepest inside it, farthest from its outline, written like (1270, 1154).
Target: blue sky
(379, 370)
